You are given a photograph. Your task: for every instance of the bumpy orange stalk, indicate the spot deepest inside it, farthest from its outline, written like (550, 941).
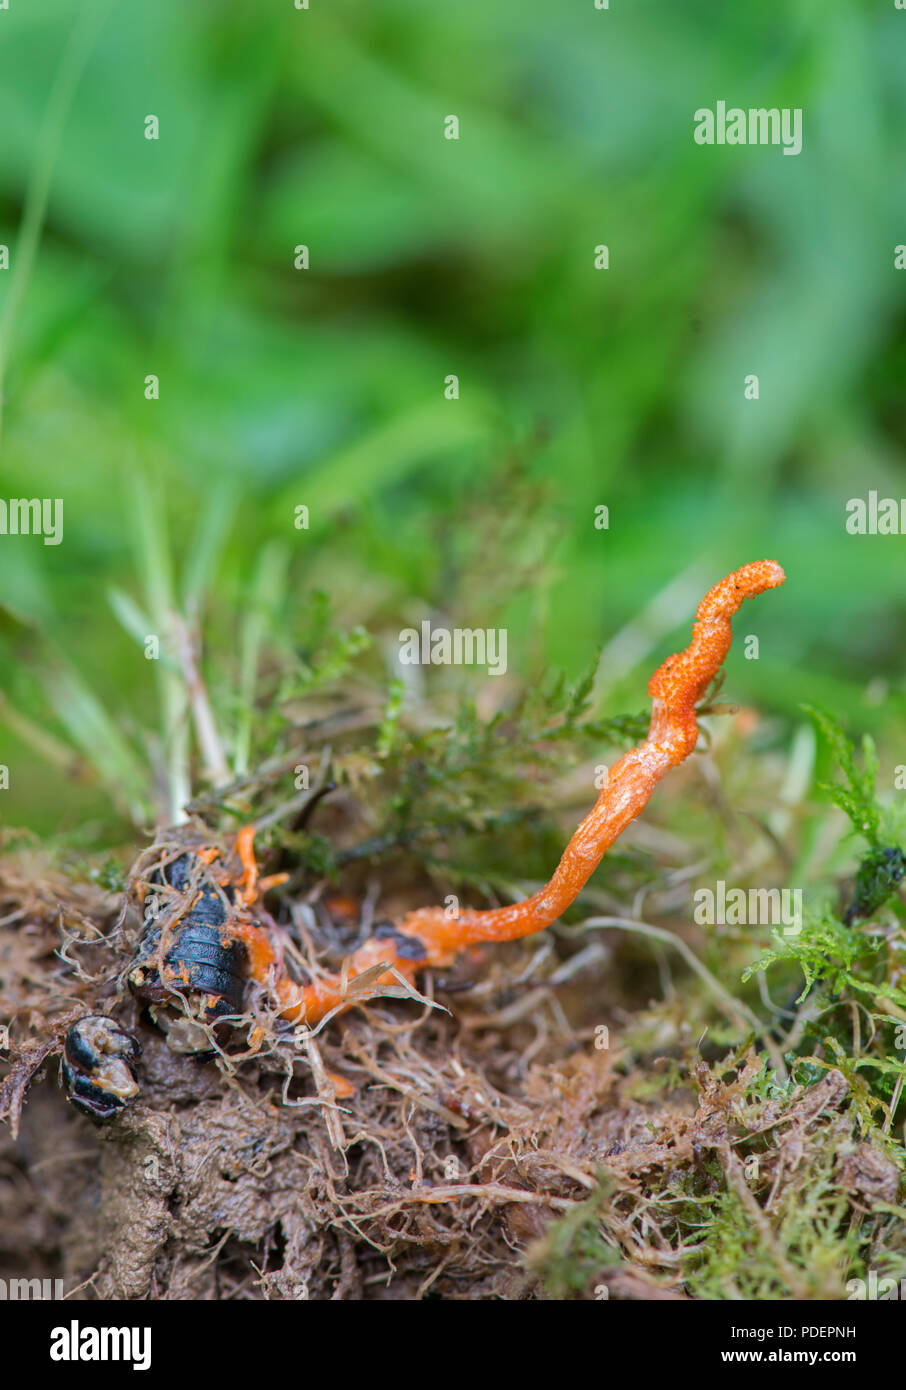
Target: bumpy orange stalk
(436, 938)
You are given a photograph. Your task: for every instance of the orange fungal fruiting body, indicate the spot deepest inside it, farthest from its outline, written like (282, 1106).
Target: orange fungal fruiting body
(430, 937)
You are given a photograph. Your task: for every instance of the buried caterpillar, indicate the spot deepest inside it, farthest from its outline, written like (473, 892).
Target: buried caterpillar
(190, 966)
(203, 940)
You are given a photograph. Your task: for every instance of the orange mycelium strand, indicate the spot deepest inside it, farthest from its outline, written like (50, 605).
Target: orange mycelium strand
(435, 937)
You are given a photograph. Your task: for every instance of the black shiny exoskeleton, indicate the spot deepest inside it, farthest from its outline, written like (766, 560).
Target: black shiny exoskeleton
(408, 947)
(880, 874)
(98, 1066)
(202, 959)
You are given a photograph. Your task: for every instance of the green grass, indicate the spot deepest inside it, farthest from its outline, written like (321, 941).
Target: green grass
(578, 387)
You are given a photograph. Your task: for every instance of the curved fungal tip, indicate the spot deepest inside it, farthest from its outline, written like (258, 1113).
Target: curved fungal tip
(727, 596)
(684, 676)
(774, 573)
(758, 575)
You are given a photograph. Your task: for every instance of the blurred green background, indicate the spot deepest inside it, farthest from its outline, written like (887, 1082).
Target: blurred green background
(325, 387)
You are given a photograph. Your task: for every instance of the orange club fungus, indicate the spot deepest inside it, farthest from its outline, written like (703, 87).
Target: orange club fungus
(430, 936)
